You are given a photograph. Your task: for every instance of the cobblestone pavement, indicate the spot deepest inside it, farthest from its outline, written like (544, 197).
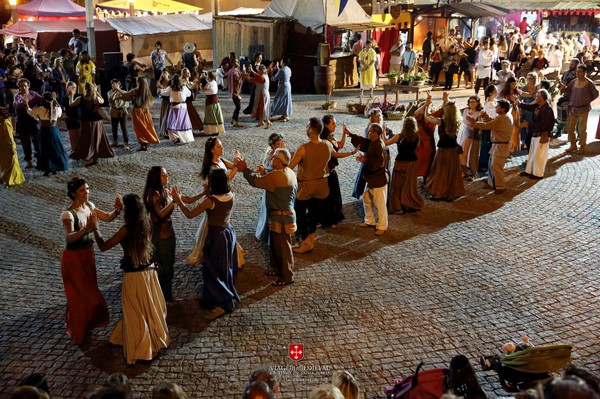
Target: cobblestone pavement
(459, 277)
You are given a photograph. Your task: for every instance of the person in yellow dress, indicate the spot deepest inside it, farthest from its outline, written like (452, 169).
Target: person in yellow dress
(10, 170)
(86, 71)
(367, 68)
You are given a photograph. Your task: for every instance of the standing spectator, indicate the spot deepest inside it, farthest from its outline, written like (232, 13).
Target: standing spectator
(60, 77)
(404, 196)
(312, 159)
(523, 26)
(541, 130)
(143, 331)
(428, 47)
(367, 68)
(484, 67)
(436, 65)
(141, 118)
(41, 74)
(189, 59)
(3, 79)
(516, 51)
(357, 47)
(503, 75)
(444, 181)
(555, 57)
(409, 60)
(11, 174)
(501, 127)
(179, 126)
(450, 68)
(502, 51)
(118, 113)
(159, 59)
(26, 126)
(69, 62)
(235, 79)
(160, 205)
(280, 187)
(52, 157)
(72, 116)
(396, 52)
(282, 102)
(86, 308)
(92, 143)
(220, 263)
(78, 43)
(85, 70)
(472, 53)
(581, 92)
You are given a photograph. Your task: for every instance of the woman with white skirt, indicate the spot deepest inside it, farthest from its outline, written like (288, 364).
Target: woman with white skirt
(179, 125)
(541, 129)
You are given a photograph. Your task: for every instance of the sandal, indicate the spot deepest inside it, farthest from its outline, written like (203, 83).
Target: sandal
(279, 283)
(272, 273)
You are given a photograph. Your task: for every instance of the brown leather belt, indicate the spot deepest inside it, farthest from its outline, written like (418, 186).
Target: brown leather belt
(281, 213)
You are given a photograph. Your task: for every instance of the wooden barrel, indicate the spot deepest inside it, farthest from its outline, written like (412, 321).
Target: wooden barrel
(323, 54)
(324, 79)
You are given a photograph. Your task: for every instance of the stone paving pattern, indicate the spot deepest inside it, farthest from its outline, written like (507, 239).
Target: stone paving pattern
(459, 277)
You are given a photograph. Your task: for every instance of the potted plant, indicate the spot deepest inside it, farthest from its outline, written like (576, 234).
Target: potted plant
(420, 78)
(392, 77)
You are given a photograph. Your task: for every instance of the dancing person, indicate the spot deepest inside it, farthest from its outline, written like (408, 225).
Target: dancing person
(159, 204)
(367, 68)
(165, 103)
(444, 181)
(141, 118)
(118, 113)
(11, 174)
(501, 126)
(52, 157)
(375, 116)
(541, 131)
(262, 99)
(345, 381)
(428, 47)
(220, 254)
(511, 93)
(213, 116)
(280, 193)
(450, 67)
(375, 172)
(489, 109)
(262, 227)
(86, 308)
(26, 126)
(257, 61)
(581, 93)
(195, 118)
(503, 75)
(470, 139)
(282, 102)
(313, 189)
(92, 143)
(334, 213)
(235, 78)
(85, 70)
(527, 96)
(426, 148)
(72, 116)
(143, 331)
(179, 125)
(403, 193)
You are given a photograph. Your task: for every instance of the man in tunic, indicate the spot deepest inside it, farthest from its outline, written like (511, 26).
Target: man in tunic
(581, 92)
(280, 185)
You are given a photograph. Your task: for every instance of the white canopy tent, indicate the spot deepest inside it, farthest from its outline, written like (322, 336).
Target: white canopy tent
(315, 14)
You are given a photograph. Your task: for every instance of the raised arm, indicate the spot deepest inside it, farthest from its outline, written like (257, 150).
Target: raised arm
(297, 157)
(112, 241)
(109, 217)
(191, 213)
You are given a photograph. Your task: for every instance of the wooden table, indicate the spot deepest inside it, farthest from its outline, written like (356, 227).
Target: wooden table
(406, 89)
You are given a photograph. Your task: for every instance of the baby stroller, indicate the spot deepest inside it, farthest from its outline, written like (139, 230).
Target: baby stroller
(523, 369)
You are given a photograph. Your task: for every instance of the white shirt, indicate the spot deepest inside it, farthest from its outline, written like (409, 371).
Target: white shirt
(485, 62)
(555, 58)
(176, 96)
(213, 87)
(396, 59)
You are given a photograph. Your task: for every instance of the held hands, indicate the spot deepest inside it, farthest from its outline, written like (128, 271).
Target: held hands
(524, 124)
(176, 194)
(92, 222)
(445, 96)
(361, 158)
(241, 164)
(118, 202)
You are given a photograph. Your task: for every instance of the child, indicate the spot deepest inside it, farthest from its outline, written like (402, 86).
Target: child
(118, 113)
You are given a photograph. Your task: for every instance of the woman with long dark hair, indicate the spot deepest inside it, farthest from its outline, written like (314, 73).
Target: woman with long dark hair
(220, 254)
(511, 92)
(489, 109)
(52, 157)
(403, 195)
(165, 104)
(282, 102)
(92, 143)
(160, 205)
(470, 138)
(86, 308)
(143, 330)
(426, 148)
(141, 118)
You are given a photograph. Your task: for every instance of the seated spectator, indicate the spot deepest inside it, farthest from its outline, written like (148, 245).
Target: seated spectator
(168, 390)
(346, 383)
(257, 390)
(326, 391)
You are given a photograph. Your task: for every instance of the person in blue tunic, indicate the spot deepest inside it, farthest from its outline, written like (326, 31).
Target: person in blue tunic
(220, 254)
(282, 102)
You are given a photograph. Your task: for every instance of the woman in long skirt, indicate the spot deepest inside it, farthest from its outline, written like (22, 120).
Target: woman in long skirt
(220, 255)
(10, 170)
(141, 118)
(445, 181)
(179, 125)
(489, 108)
(53, 157)
(213, 116)
(261, 108)
(470, 139)
(282, 102)
(426, 147)
(72, 116)
(197, 123)
(403, 194)
(165, 104)
(92, 143)
(143, 331)
(86, 308)
(160, 205)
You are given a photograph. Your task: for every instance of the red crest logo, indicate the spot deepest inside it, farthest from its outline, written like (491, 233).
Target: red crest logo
(296, 352)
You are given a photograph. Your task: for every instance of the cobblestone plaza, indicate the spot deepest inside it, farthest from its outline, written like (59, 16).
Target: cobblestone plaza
(458, 277)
